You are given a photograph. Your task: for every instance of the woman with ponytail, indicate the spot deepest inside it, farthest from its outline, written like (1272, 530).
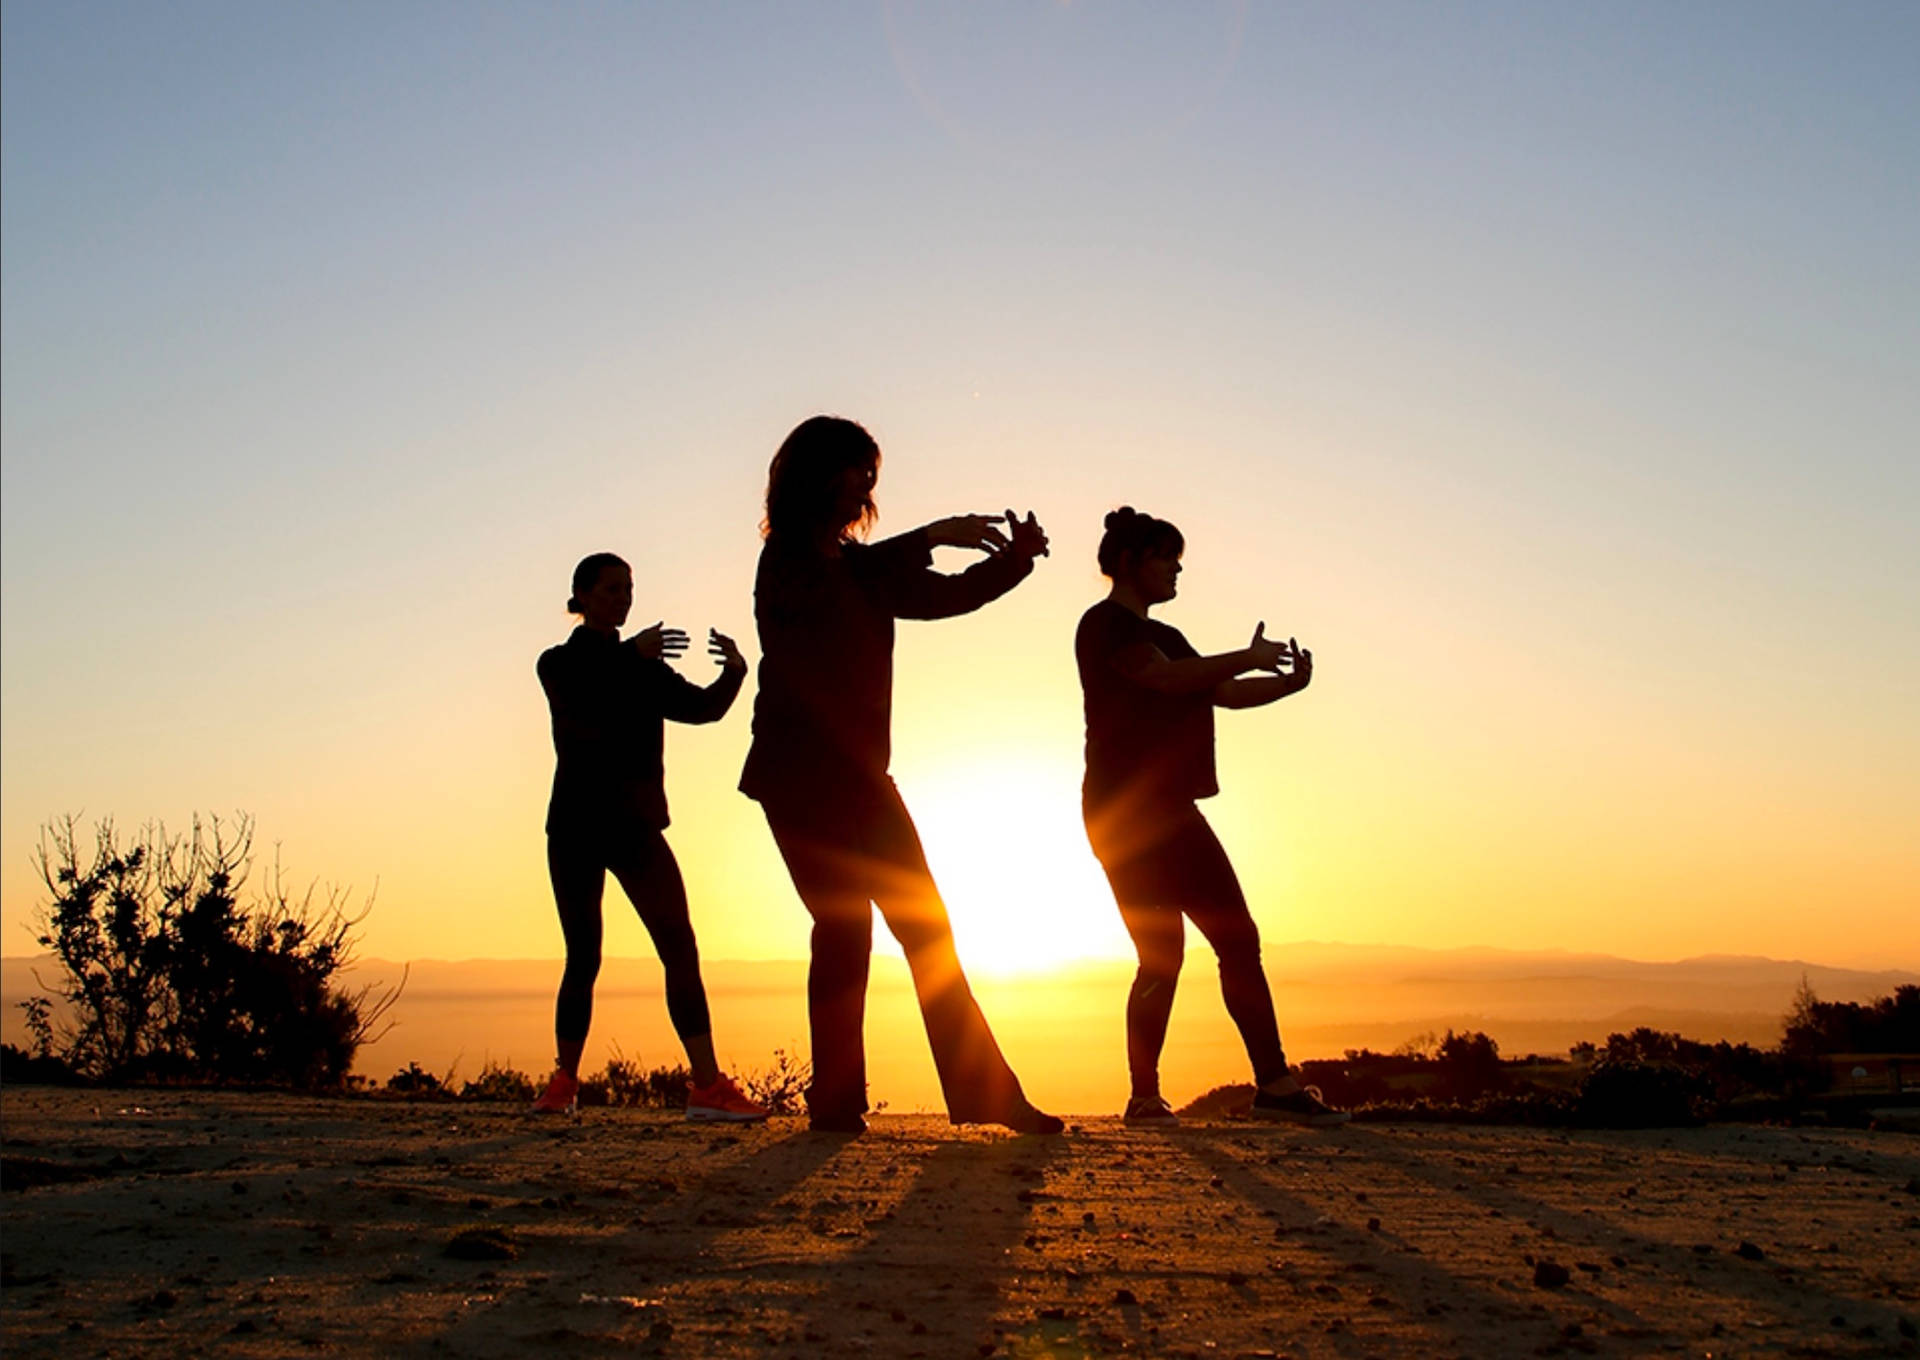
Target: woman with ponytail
(1150, 698)
(825, 602)
(609, 701)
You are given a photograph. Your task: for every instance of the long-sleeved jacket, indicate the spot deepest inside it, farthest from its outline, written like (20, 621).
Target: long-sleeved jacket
(822, 719)
(609, 704)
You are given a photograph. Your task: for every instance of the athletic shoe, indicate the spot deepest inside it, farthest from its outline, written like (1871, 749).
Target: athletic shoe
(721, 1102)
(1026, 1119)
(560, 1096)
(1150, 1112)
(1303, 1106)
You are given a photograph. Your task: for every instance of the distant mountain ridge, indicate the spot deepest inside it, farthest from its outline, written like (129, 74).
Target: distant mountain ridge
(1311, 963)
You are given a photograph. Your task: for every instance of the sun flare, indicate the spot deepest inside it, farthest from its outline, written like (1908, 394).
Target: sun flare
(1011, 858)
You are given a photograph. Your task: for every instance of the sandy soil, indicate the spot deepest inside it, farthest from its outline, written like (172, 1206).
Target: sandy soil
(145, 1223)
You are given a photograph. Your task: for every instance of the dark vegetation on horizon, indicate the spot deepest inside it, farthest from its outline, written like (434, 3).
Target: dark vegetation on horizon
(1644, 1079)
(167, 975)
(622, 1082)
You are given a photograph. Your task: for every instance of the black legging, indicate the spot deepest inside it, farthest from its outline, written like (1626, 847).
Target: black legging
(1161, 866)
(846, 858)
(644, 864)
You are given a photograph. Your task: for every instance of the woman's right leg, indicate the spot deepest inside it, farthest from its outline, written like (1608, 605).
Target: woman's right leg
(1130, 845)
(648, 872)
(579, 878)
(827, 877)
(1212, 897)
(1160, 939)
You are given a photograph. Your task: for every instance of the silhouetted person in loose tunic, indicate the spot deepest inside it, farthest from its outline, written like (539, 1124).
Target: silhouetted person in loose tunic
(1149, 708)
(609, 700)
(825, 604)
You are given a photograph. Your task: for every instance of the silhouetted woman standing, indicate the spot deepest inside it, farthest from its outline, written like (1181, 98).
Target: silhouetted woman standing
(825, 603)
(609, 700)
(1149, 705)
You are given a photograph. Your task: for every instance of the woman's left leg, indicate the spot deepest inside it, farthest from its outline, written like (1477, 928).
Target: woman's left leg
(979, 1086)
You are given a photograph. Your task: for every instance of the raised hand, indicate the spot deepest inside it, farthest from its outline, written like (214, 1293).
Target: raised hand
(722, 649)
(1267, 655)
(967, 531)
(1302, 663)
(1029, 539)
(659, 643)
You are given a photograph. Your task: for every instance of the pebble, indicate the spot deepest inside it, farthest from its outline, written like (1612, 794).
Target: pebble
(1550, 1275)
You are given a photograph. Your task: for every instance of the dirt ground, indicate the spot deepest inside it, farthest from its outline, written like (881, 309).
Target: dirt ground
(156, 1223)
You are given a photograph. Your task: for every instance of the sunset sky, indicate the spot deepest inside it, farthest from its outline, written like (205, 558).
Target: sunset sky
(1553, 372)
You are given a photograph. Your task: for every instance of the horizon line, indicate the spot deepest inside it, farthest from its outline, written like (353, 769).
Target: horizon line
(1119, 960)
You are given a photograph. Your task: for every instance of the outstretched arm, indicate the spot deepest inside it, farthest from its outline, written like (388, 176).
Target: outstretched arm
(690, 703)
(916, 591)
(1265, 689)
(1148, 666)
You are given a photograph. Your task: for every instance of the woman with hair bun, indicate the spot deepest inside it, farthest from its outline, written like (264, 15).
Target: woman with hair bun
(609, 701)
(1149, 707)
(825, 602)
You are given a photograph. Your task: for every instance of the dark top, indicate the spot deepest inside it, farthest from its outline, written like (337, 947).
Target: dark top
(822, 718)
(1153, 749)
(609, 703)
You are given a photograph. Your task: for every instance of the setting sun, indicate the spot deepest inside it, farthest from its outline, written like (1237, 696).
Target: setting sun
(1012, 862)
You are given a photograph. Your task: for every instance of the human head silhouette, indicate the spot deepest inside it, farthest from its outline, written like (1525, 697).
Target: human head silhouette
(1142, 552)
(1131, 535)
(820, 485)
(602, 590)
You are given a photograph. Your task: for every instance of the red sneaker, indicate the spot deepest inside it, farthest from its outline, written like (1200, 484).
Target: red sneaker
(560, 1096)
(723, 1102)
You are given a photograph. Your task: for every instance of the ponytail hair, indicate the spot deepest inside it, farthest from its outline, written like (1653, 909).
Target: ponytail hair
(1134, 534)
(587, 575)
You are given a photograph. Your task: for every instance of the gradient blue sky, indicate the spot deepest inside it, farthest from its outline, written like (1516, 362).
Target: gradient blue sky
(1553, 370)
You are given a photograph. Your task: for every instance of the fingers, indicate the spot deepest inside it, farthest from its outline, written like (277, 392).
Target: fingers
(1028, 536)
(723, 648)
(661, 641)
(975, 531)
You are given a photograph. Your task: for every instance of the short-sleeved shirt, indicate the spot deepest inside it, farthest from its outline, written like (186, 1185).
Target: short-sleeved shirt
(1145, 749)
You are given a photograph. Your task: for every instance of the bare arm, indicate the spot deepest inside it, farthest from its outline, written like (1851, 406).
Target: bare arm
(1148, 666)
(1266, 689)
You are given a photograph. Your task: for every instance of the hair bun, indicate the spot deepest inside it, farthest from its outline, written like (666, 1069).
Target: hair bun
(573, 605)
(1116, 518)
